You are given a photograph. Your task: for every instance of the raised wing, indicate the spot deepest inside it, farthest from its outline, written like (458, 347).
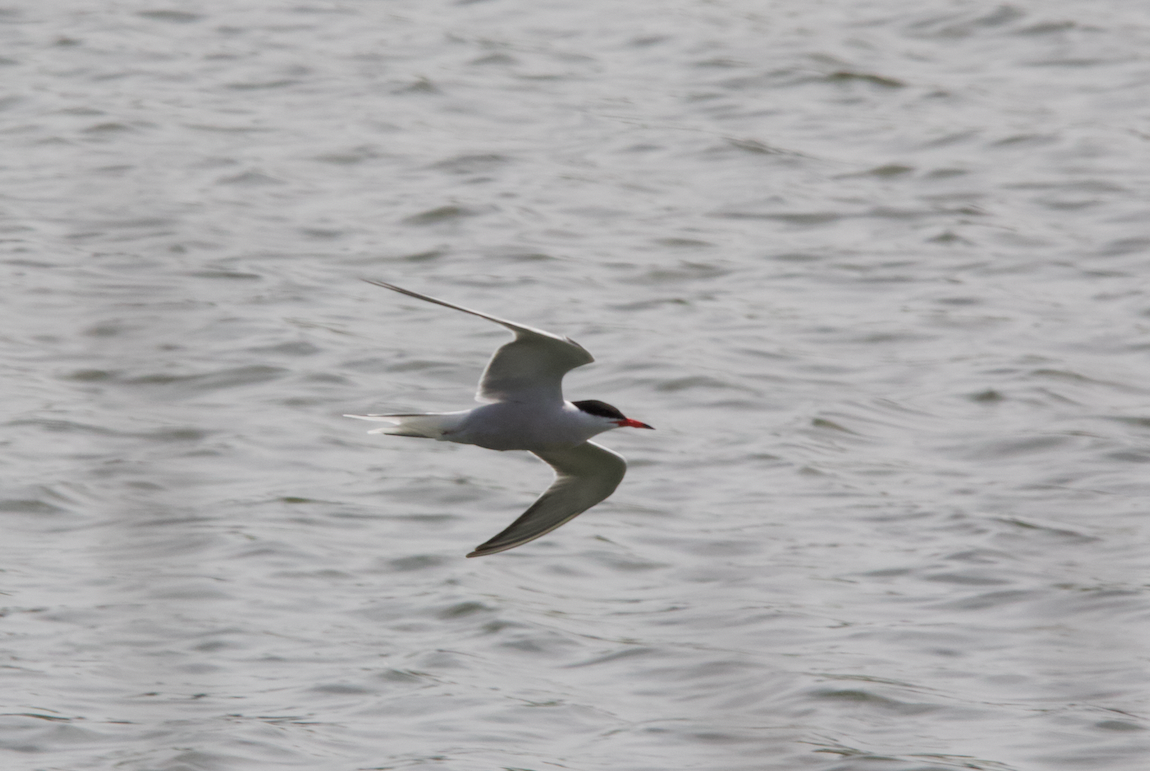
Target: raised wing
(584, 476)
(528, 369)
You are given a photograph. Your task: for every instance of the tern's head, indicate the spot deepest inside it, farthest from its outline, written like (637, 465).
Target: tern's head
(608, 413)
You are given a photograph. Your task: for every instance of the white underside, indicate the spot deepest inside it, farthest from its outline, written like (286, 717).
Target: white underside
(501, 426)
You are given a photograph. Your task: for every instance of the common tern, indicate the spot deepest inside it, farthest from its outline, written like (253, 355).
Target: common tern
(525, 410)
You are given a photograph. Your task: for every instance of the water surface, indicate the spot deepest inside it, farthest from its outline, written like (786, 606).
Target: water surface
(877, 274)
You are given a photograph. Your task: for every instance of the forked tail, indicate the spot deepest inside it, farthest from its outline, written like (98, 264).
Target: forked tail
(428, 425)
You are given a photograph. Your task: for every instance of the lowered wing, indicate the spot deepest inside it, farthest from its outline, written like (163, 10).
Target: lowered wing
(584, 476)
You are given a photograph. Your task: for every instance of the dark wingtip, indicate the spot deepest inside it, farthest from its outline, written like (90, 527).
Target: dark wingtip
(494, 546)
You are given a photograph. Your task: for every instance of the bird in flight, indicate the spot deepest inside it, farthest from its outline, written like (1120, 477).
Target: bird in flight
(525, 410)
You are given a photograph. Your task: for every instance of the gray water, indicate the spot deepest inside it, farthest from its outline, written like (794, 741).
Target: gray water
(877, 272)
